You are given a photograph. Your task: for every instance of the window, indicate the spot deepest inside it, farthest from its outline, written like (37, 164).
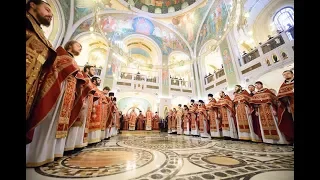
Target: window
(284, 19)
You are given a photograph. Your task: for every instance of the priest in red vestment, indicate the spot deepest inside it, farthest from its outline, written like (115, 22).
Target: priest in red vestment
(140, 120)
(204, 125)
(149, 115)
(226, 113)
(265, 103)
(243, 115)
(132, 120)
(174, 121)
(215, 125)
(286, 106)
(156, 122)
(126, 118)
(179, 120)
(40, 54)
(49, 121)
(96, 115)
(79, 112)
(186, 120)
(194, 121)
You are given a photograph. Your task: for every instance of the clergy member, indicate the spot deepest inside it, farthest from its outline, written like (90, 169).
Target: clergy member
(50, 117)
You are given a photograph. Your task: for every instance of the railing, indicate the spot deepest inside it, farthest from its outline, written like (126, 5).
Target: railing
(180, 83)
(276, 52)
(215, 76)
(138, 77)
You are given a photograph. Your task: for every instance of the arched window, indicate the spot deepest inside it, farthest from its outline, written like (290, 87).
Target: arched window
(284, 19)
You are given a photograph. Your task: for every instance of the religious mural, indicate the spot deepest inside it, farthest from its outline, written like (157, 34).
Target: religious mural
(127, 103)
(119, 26)
(160, 6)
(189, 23)
(227, 64)
(65, 5)
(85, 7)
(215, 23)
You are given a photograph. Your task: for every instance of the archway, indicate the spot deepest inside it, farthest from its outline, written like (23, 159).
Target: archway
(94, 49)
(141, 101)
(180, 71)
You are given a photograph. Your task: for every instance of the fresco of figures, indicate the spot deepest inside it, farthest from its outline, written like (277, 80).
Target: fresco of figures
(215, 24)
(118, 26)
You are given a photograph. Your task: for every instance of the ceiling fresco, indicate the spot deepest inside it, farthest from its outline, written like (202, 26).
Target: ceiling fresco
(215, 23)
(161, 6)
(118, 26)
(184, 31)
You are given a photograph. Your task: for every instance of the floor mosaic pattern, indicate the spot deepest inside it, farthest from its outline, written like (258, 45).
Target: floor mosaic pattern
(175, 157)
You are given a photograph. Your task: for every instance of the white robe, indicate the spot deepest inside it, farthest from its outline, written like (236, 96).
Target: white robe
(45, 146)
(179, 123)
(217, 133)
(94, 136)
(232, 132)
(248, 135)
(205, 132)
(282, 139)
(187, 131)
(76, 133)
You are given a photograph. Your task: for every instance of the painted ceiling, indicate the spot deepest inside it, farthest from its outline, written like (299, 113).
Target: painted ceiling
(181, 25)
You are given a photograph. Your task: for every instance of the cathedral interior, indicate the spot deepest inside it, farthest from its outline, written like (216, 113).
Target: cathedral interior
(160, 53)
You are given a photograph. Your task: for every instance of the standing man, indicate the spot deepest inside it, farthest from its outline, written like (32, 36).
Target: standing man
(179, 120)
(89, 70)
(156, 121)
(264, 101)
(194, 122)
(49, 121)
(140, 120)
(215, 125)
(95, 119)
(251, 89)
(186, 121)
(203, 120)
(149, 115)
(39, 51)
(78, 118)
(226, 113)
(243, 115)
(286, 106)
(132, 120)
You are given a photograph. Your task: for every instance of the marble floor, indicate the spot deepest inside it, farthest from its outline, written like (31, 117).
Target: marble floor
(176, 157)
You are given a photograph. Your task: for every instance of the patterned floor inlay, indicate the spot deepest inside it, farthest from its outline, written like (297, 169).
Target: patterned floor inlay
(97, 162)
(172, 157)
(169, 142)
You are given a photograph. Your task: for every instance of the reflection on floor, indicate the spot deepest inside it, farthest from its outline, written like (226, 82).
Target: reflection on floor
(173, 157)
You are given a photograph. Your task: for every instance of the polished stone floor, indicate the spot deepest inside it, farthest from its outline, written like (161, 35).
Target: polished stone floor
(176, 157)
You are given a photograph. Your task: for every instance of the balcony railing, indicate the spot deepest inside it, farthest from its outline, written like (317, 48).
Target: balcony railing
(215, 76)
(138, 77)
(277, 51)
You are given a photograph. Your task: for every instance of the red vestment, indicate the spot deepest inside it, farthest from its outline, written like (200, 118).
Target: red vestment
(155, 122)
(285, 119)
(202, 114)
(193, 113)
(224, 104)
(64, 69)
(186, 120)
(241, 100)
(140, 119)
(212, 114)
(263, 99)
